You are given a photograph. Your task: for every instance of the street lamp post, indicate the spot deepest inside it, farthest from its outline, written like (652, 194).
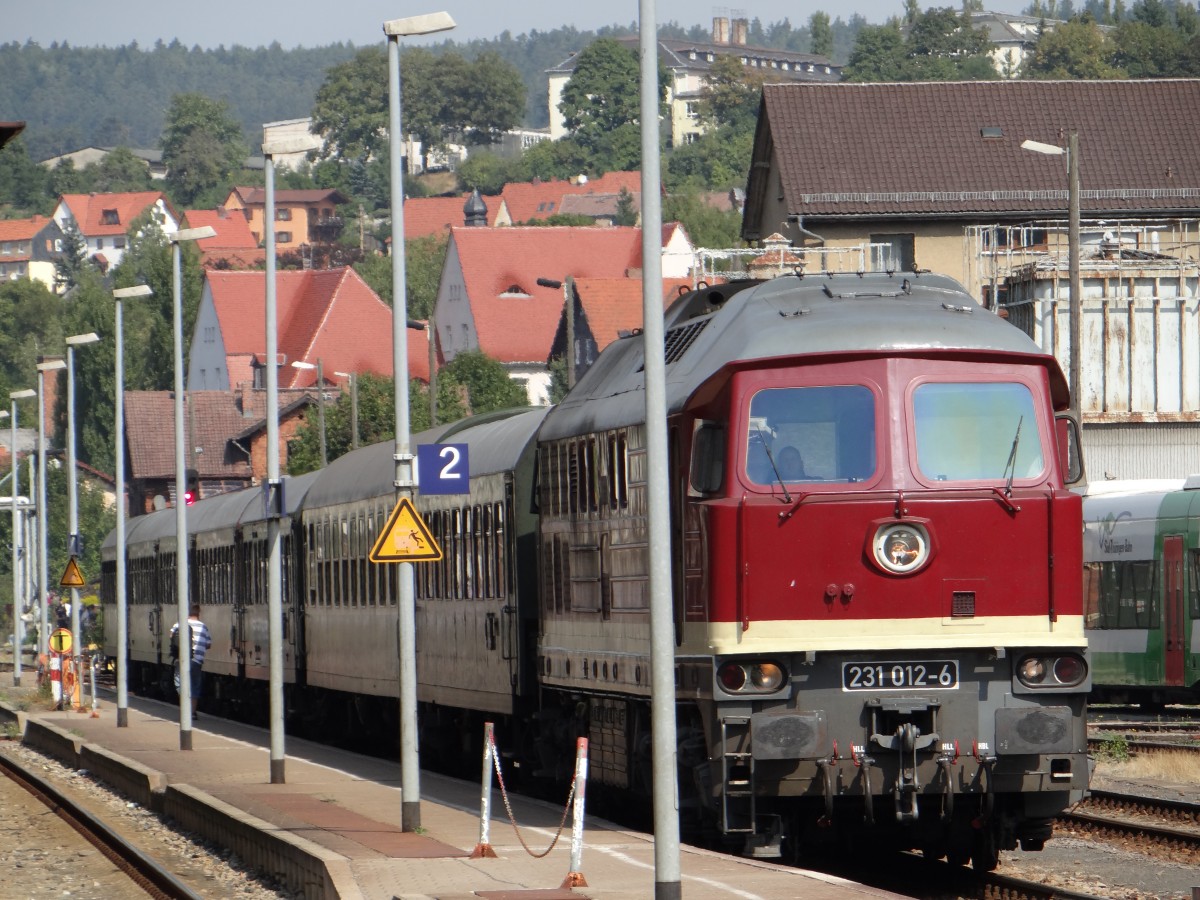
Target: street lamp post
(1075, 296)
(181, 540)
(73, 546)
(320, 402)
(138, 290)
(410, 783)
(18, 549)
(45, 364)
(352, 381)
(274, 484)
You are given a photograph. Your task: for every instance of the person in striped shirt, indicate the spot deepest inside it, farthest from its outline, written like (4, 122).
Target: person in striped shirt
(201, 641)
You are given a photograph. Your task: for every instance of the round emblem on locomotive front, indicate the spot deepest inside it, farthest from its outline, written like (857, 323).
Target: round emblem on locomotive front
(901, 548)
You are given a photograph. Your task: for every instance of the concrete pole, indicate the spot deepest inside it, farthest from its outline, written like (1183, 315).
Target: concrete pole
(120, 294)
(73, 547)
(667, 884)
(181, 533)
(51, 364)
(16, 546)
(321, 409)
(274, 494)
(1076, 289)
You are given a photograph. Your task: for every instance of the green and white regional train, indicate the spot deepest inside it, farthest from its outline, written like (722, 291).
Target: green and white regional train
(1141, 588)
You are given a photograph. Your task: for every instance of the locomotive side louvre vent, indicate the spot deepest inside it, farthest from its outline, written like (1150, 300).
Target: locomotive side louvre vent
(962, 605)
(678, 339)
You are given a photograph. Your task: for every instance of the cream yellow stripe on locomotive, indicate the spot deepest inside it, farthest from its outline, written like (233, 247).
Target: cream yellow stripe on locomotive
(883, 634)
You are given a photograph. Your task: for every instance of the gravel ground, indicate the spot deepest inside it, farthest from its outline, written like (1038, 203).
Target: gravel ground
(27, 850)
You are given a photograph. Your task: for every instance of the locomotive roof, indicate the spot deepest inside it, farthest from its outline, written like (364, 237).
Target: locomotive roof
(729, 325)
(495, 442)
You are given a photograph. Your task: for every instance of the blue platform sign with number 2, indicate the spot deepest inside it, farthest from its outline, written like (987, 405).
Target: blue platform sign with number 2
(443, 469)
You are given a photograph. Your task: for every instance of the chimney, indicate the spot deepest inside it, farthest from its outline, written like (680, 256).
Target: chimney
(741, 28)
(720, 30)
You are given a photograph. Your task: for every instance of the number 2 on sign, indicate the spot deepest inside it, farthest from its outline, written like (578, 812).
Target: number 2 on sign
(452, 458)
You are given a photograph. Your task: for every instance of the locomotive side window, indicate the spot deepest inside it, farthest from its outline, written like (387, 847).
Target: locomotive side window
(976, 431)
(1121, 595)
(822, 433)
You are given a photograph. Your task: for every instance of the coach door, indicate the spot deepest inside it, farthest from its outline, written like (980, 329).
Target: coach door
(1173, 621)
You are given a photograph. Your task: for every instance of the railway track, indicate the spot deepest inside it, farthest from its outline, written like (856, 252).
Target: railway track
(142, 870)
(1136, 823)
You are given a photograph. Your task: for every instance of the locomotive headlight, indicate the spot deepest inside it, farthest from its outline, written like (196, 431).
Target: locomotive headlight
(1032, 670)
(766, 676)
(751, 677)
(901, 547)
(1052, 671)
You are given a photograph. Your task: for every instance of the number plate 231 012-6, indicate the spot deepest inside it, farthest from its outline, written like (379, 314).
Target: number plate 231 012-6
(938, 674)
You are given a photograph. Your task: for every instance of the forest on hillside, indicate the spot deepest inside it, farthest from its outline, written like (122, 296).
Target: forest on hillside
(72, 97)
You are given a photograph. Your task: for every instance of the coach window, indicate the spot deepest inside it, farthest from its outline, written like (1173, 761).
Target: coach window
(1194, 582)
(976, 431)
(811, 434)
(1124, 595)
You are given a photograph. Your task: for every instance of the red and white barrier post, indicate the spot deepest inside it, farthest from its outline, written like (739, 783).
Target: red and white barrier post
(483, 848)
(575, 876)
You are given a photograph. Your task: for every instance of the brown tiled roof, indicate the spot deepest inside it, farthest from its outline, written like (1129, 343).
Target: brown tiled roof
(210, 419)
(932, 149)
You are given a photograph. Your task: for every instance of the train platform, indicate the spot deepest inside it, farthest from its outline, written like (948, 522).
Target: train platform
(332, 829)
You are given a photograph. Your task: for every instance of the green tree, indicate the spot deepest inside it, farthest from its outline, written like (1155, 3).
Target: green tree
(23, 182)
(820, 34)
(878, 55)
(486, 381)
(350, 109)
(1149, 51)
(485, 172)
(942, 46)
(706, 225)
(72, 264)
(1072, 50)
(627, 211)
(719, 159)
(202, 147)
(118, 172)
(731, 94)
(601, 106)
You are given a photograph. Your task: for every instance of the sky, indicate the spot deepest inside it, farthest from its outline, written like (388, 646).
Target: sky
(316, 23)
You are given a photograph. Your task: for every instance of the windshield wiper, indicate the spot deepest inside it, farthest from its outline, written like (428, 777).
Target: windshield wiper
(1010, 467)
(787, 497)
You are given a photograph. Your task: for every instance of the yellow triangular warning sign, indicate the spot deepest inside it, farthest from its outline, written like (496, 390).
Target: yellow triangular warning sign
(72, 577)
(405, 538)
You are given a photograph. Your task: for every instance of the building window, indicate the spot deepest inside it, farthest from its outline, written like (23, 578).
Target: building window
(6, 248)
(283, 237)
(283, 215)
(119, 243)
(109, 217)
(99, 243)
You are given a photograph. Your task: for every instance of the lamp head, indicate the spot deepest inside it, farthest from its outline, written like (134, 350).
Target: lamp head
(138, 290)
(1039, 147)
(80, 340)
(412, 26)
(22, 395)
(52, 364)
(192, 234)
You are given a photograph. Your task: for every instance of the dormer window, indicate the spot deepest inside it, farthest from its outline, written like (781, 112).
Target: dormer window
(515, 291)
(109, 217)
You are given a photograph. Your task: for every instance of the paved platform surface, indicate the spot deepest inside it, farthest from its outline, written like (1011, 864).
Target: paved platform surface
(350, 805)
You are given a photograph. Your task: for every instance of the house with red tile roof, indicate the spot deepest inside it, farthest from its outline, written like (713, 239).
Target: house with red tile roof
(302, 217)
(526, 201)
(329, 316)
(489, 299)
(605, 310)
(104, 220)
(233, 247)
(29, 248)
(425, 216)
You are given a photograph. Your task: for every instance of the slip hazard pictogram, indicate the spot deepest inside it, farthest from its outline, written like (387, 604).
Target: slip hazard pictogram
(405, 538)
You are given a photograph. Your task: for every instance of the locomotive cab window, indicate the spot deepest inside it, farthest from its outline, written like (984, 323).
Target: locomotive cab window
(811, 434)
(976, 431)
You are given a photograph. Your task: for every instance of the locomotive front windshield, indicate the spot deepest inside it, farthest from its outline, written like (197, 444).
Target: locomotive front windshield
(824, 433)
(973, 431)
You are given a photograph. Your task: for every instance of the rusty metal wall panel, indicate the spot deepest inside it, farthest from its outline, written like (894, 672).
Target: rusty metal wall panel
(1140, 338)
